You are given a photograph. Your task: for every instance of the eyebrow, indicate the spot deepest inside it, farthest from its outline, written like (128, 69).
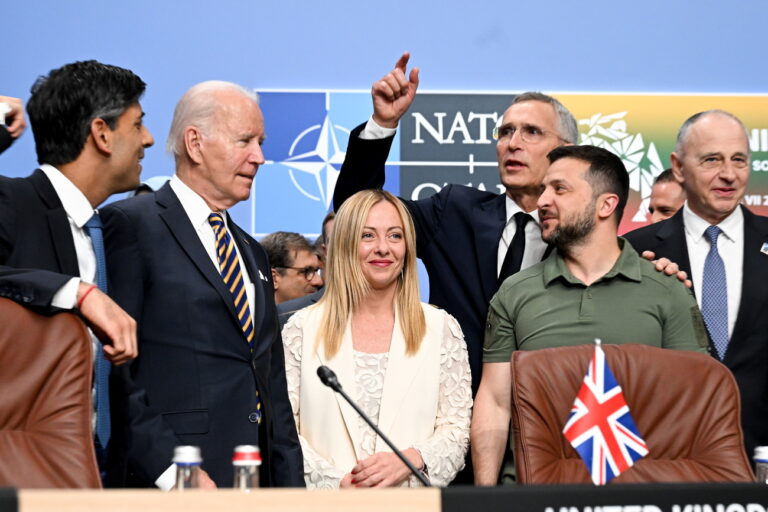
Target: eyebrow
(388, 229)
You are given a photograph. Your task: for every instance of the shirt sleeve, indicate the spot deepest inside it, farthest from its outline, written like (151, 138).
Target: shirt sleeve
(683, 325)
(373, 131)
(318, 472)
(444, 451)
(500, 339)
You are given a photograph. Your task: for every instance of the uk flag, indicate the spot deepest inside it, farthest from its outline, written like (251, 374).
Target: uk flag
(600, 427)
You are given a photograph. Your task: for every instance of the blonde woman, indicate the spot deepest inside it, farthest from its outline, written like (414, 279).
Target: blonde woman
(404, 362)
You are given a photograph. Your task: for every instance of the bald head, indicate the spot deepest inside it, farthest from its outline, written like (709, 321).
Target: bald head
(198, 108)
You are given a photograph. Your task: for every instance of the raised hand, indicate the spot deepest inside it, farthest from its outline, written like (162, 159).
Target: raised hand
(394, 94)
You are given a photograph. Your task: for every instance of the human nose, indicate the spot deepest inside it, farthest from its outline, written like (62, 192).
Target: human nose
(545, 199)
(317, 280)
(147, 140)
(257, 155)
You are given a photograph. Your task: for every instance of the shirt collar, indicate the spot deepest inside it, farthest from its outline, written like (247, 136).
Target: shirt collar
(627, 265)
(695, 226)
(73, 200)
(195, 206)
(513, 208)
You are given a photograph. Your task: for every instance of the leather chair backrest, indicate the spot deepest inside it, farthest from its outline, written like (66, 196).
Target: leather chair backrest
(46, 437)
(685, 405)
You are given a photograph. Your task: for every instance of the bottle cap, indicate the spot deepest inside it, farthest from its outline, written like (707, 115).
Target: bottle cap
(246, 455)
(187, 455)
(761, 454)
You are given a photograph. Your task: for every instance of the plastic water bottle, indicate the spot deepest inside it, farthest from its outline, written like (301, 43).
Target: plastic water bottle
(761, 464)
(246, 462)
(187, 460)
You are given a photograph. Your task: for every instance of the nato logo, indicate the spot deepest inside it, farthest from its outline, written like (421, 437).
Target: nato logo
(306, 141)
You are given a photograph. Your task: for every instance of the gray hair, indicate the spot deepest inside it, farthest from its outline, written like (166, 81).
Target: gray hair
(682, 135)
(566, 123)
(197, 108)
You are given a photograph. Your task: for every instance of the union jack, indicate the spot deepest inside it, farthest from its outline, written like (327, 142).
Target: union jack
(600, 426)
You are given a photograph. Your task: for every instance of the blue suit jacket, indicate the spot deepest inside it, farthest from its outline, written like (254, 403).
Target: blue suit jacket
(747, 354)
(195, 380)
(457, 233)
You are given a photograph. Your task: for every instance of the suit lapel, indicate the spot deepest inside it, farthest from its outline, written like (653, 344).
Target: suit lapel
(174, 216)
(254, 270)
(58, 224)
(672, 244)
(754, 277)
(402, 369)
(488, 221)
(343, 364)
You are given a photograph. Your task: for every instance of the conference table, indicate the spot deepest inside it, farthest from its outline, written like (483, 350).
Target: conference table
(556, 498)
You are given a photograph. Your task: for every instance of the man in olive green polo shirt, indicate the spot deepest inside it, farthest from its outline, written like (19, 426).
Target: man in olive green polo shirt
(594, 286)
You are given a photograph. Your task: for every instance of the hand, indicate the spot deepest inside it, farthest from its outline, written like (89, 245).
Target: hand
(204, 481)
(384, 469)
(670, 268)
(393, 94)
(113, 326)
(346, 482)
(14, 119)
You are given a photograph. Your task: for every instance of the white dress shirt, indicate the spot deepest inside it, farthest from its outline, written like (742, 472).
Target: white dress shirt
(730, 246)
(535, 247)
(79, 211)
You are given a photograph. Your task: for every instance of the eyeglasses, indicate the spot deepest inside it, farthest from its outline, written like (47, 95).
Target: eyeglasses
(529, 133)
(307, 272)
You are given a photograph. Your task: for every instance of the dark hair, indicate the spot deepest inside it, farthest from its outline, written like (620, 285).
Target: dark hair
(606, 171)
(666, 176)
(64, 103)
(280, 247)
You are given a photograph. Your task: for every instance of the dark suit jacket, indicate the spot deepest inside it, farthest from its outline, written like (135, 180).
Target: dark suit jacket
(747, 354)
(457, 233)
(37, 252)
(195, 380)
(286, 309)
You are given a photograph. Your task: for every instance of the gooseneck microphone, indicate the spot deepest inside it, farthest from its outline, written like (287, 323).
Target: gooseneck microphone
(328, 377)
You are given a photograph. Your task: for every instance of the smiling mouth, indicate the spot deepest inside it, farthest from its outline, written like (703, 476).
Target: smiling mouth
(381, 263)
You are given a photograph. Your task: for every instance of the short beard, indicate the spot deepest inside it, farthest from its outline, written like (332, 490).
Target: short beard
(566, 236)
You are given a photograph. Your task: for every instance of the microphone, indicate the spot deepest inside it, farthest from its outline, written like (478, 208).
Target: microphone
(328, 377)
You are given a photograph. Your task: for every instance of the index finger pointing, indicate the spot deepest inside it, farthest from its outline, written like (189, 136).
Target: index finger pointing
(403, 61)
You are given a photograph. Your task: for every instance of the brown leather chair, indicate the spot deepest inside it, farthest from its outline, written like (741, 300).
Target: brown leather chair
(685, 405)
(46, 436)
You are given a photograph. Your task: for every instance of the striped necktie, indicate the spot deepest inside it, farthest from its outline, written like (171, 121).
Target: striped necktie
(229, 267)
(101, 373)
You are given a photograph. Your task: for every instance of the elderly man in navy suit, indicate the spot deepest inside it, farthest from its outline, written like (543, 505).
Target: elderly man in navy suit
(724, 248)
(211, 372)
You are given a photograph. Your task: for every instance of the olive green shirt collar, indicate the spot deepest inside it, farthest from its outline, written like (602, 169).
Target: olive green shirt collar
(627, 265)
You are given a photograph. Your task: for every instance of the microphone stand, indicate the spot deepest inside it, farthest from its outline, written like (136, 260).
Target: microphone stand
(328, 377)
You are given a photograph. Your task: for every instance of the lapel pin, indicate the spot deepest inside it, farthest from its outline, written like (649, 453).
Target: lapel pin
(764, 248)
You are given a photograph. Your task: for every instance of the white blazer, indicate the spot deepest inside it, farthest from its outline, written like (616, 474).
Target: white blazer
(409, 399)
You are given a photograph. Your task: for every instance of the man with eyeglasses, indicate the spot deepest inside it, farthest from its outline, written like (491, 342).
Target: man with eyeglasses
(724, 248)
(295, 266)
(464, 234)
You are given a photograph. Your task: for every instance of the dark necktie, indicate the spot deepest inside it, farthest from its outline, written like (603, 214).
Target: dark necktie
(714, 294)
(514, 256)
(103, 367)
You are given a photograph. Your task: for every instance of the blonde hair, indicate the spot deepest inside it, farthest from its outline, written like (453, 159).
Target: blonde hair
(346, 285)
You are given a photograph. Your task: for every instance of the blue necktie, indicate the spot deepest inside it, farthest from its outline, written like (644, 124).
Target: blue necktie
(103, 367)
(714, 295)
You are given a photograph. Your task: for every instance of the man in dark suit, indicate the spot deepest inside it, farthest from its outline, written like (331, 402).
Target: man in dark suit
(463, 233)
(89, 138)
(724, 248)
(211, 372)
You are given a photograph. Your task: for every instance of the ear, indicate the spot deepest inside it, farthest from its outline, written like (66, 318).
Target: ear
(607, 204)
(101, 134)
(677, 167)
(276, 279)
(193, 141)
